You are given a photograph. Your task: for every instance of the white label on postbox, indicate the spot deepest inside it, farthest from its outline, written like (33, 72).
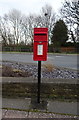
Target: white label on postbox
(40, 50)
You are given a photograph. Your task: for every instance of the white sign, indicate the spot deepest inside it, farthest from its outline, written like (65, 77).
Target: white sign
(40, 50)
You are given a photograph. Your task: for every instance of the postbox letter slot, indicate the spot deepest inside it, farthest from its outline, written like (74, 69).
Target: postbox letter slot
(39, 34)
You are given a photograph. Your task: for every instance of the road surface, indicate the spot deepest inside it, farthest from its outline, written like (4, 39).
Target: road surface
(66, 61)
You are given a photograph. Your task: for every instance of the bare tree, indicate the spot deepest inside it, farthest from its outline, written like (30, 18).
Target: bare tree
(16, 27)
(70, 13)
(4, 30)
(15, 19)
(48, 19)
(31, 25)
(24, 29)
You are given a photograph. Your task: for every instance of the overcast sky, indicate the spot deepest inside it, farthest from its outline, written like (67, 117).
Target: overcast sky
(28, 6)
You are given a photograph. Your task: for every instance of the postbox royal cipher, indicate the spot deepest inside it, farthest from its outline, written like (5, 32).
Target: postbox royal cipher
(40, 44)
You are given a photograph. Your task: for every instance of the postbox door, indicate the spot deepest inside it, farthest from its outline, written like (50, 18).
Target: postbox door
(40, 51)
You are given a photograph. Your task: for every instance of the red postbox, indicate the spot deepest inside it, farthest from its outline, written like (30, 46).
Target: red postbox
(40, 44)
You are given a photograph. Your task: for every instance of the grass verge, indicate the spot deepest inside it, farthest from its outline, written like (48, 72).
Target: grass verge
(63, 92)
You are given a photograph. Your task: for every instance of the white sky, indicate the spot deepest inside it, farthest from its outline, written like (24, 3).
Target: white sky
(28, 6)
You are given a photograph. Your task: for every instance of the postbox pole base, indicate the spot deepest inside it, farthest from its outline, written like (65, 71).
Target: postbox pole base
(39, 81)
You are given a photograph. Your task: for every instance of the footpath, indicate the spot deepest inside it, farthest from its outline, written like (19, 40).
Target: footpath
(24, 108)
(27, 109)
(33, 80)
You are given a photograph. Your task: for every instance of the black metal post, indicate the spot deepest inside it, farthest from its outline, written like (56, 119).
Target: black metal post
(39, 80)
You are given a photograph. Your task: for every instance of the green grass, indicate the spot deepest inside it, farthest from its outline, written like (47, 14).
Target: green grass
(63, 92)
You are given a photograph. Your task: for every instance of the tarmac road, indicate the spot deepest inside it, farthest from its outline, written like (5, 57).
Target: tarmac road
(66, 61)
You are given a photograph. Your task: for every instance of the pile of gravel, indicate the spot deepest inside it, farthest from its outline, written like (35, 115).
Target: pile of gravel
(33, 69)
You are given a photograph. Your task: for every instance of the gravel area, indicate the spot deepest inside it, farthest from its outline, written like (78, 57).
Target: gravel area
(56, 72)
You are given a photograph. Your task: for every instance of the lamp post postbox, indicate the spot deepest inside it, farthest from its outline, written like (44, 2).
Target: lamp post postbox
(40, 44)
(40, 52)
